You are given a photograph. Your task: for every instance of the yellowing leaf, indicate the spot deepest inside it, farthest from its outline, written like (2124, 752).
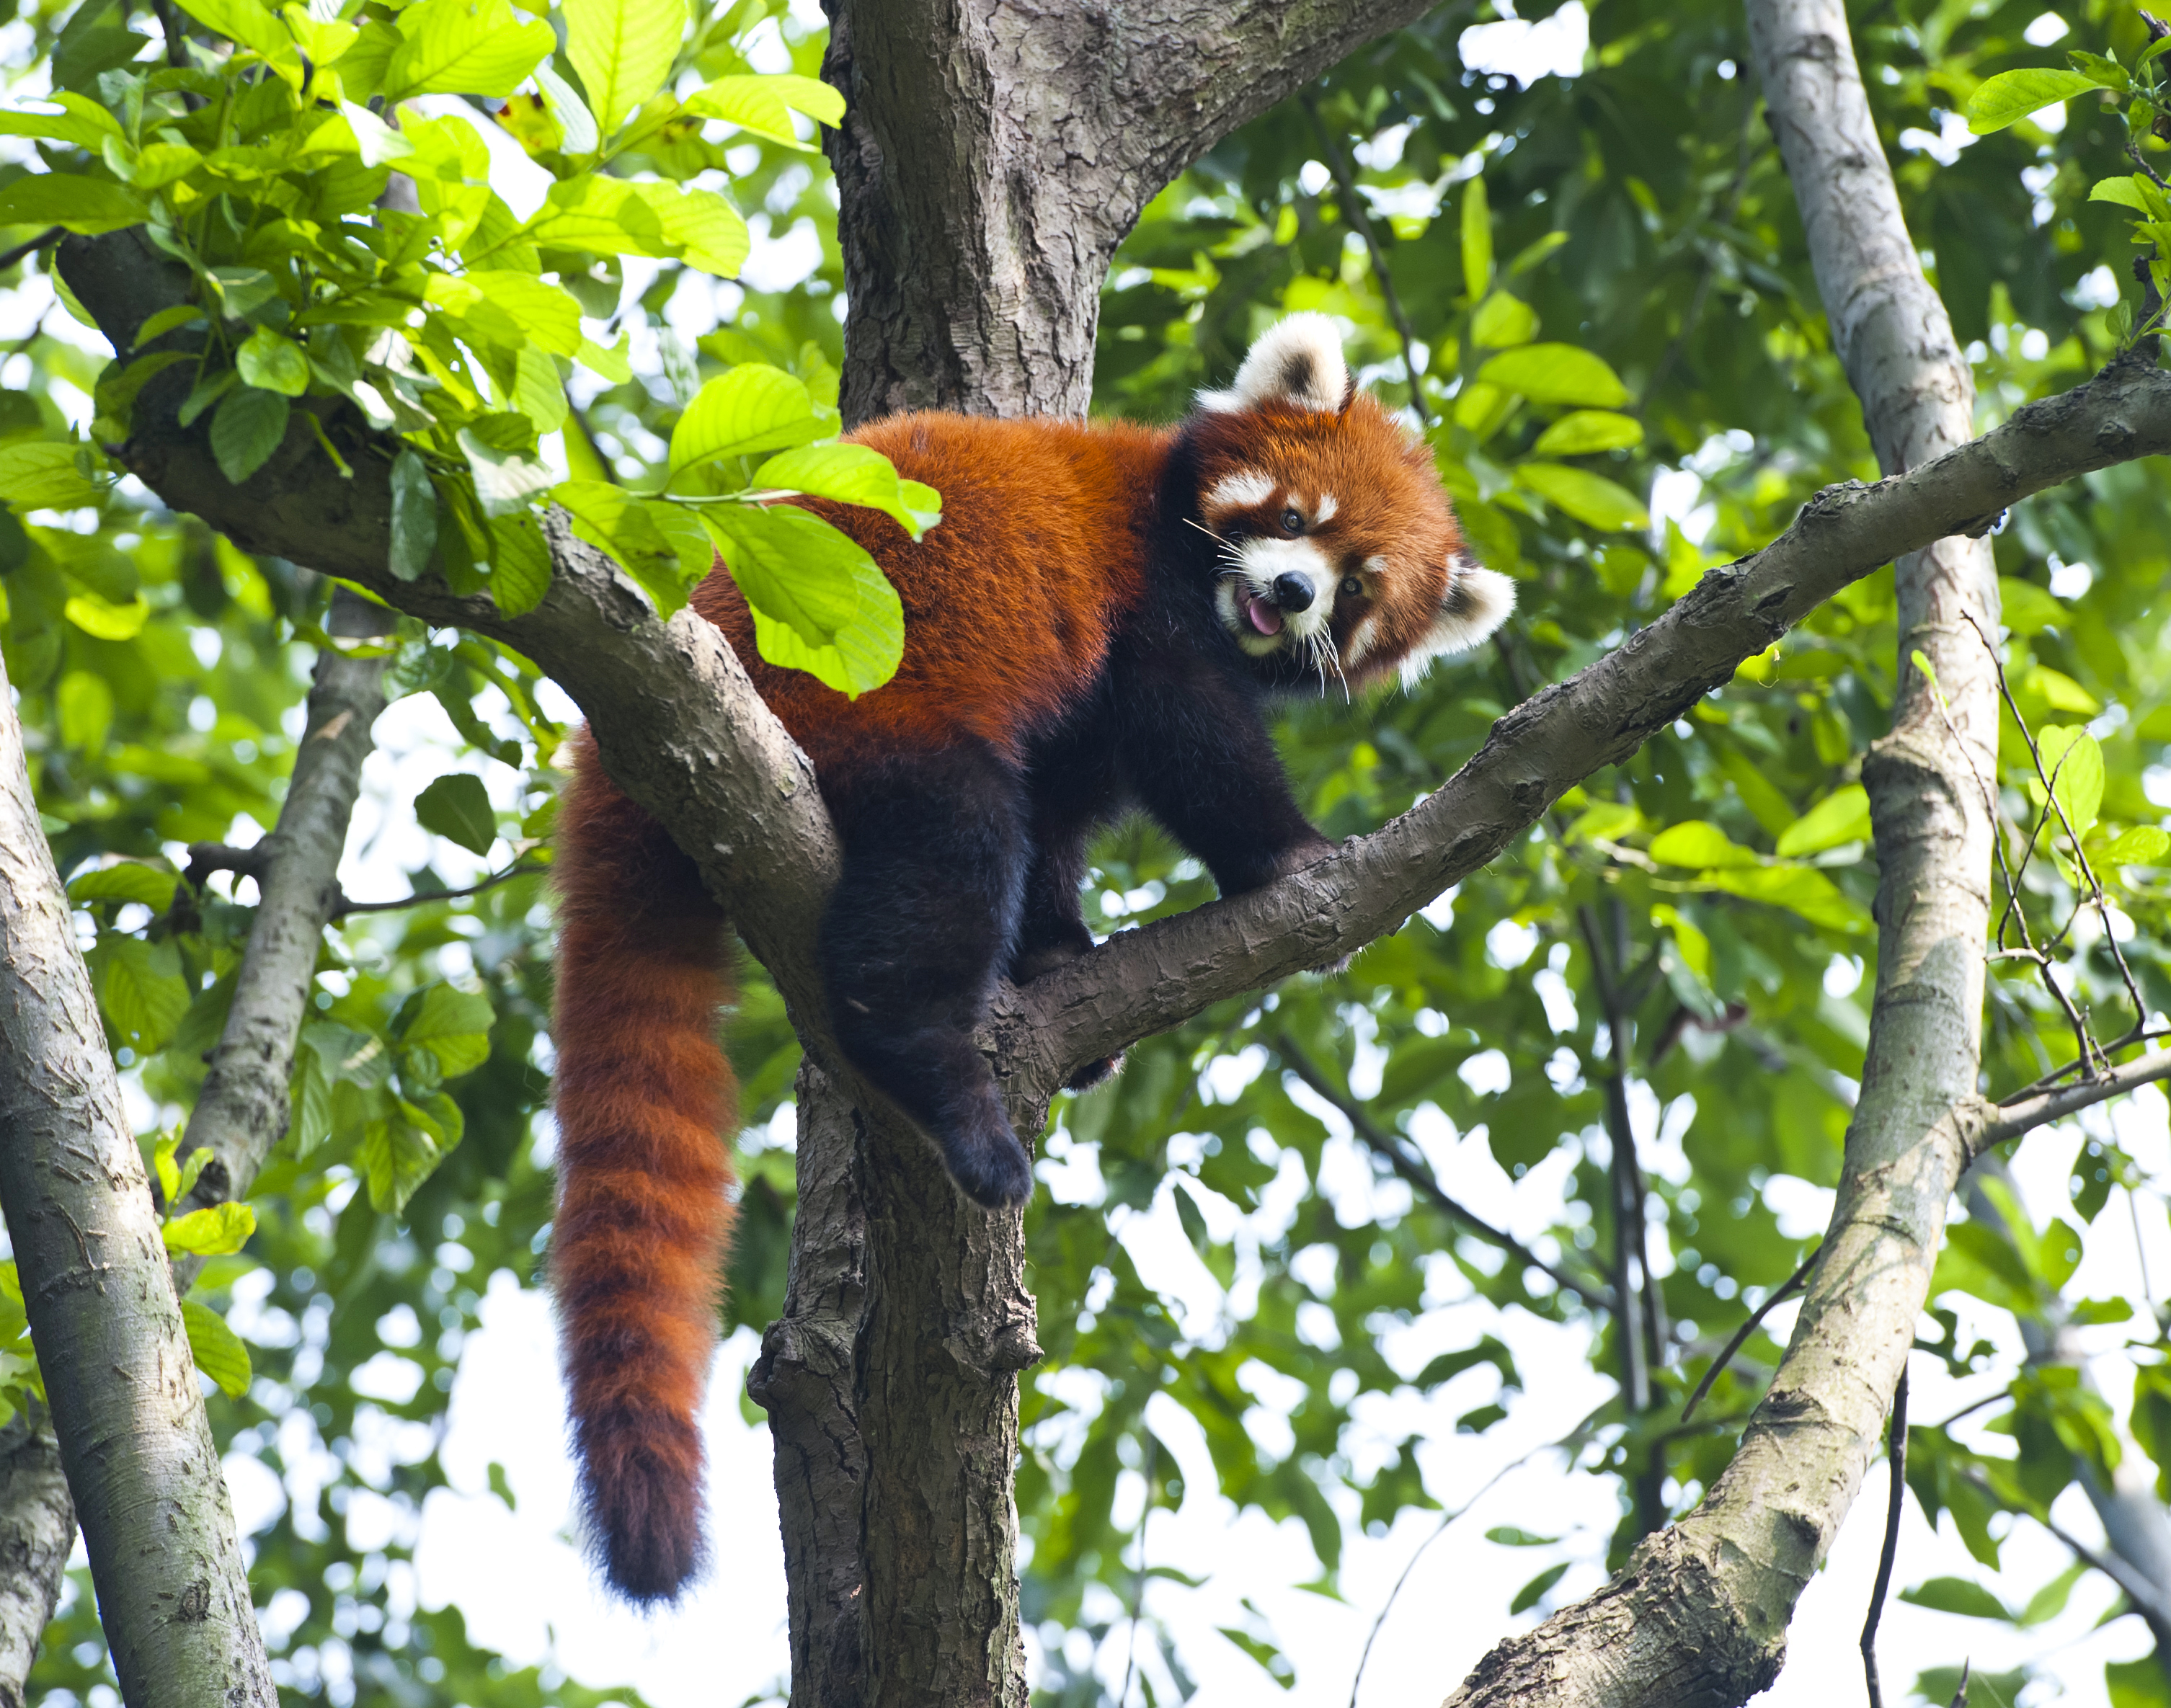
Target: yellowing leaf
(209, 1233)
(95, 616)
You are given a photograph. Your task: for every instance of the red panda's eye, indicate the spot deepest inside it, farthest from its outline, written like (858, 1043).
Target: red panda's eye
(1351, 587)
(1292, 522)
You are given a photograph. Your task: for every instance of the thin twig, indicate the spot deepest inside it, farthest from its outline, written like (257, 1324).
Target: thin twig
(1897, 1458)
(1445, 1519)
(518, 870)
(44, 239)
(2024, 1114)
(205, 858)
(1139, 1586)
(1792, 1285)
(1390, 1150)
(1354, 210)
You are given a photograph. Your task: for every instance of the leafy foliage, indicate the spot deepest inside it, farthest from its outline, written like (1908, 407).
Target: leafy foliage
(1616, 349)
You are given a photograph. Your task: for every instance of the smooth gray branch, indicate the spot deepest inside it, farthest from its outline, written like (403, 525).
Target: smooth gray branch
(173, 1591)
(2040, 1108)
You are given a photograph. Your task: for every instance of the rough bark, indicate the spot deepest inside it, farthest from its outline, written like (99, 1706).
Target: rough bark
(37, 1529)
(1700, 1614)
(993, 155)
(173, 1593)
(243, 1109)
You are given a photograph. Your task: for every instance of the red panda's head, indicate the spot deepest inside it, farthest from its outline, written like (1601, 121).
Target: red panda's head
(1340, 556)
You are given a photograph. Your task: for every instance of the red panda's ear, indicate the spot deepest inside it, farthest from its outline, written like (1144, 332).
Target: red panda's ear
(1477, 602)
(1298, 362)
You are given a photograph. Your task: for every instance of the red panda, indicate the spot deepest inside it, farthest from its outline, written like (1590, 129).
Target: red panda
(1099, 620)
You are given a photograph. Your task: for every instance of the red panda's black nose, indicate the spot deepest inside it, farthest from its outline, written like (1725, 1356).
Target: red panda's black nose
(1293, 591)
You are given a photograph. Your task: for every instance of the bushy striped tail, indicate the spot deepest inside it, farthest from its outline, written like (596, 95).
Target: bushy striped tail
(644, 1096)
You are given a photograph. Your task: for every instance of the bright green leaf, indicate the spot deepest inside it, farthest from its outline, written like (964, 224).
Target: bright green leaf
(219, 1352)
(126, 880)
(1838, 817)
(212, 1232)
(2144, 845)
(2010, 96)
(1590, 499)
(105, 619)
(42, 474)
(622, 49)
(1502, 320)
(1556, 373)
(273, 363)
(1476, 240)
(468, 48)
(2073, 760)
(1956, 1595)
(1582, 432)
(820, 604)
(1698, 845)
(752, 408)
(850, 474)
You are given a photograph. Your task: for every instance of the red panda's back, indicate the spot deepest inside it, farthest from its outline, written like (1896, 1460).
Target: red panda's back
(1009, 604)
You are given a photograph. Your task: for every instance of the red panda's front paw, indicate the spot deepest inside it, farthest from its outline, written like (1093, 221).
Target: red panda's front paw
(1327, 969)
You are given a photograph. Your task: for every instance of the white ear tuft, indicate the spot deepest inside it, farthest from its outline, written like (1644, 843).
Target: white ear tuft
(1478, 602)
(1297, 360)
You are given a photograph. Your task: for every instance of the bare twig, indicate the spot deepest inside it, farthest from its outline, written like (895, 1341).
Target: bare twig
(44, 239)
(205, 858)
(1896, 1457)
(1359, 220)
(1390, 1150)
(2023, 1114)
(1786, 1290)
(519, 869)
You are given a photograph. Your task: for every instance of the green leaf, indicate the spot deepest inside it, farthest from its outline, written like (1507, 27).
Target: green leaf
(1502, 320)
(633, 533)
(272, 363)
(467, 47)
(504, 481)
(454, 1026)
(1583, 432)
(126, 880)
(106, 620)
(81, 122)
(2098, 69)
(457, 808)
(2029, 609)
(161, 164)
(413, 517)
(2060, 691)
(209, 1233)
(1841, 816)
(1590, 499)
(820, 604)
(1698, 845)
(42, 474)
(1476, 240)
(507, 308)
(2125, 192)
(700, 226)
(1957, 1595)
(1532, 1593)
(1802, 889)
(753, 407)
(1556, 373)
(2010, 96)
(519, 564)
(246, 429)
(219, 1352)
(2144, 845)
(2073, 760)
(86, 205)
(539, 392)
(244, 21)
(622, 49)
(576, 125)
(764, 104)
(850, 474)
(141, 988)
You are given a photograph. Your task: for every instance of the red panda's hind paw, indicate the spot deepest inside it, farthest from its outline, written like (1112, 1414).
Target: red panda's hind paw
(1094, 1073)
(991, 1167)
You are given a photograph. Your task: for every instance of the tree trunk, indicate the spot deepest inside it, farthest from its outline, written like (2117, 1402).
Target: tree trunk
(172, 1590)
(1700, 1614)
(37, 1529)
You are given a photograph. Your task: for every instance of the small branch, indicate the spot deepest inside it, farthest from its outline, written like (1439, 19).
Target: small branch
(1790, 1286)
(1359, 220)
(2024, 1114)
(44, 239)
(524, 869)
(1897, 1457)
(1390, 1150)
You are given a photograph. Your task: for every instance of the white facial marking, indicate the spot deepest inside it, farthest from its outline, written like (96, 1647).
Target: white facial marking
(1296, 361)
(1478, 602)
(1240, 490)
(1361, 639)
(1260, 563)
(1325, 510)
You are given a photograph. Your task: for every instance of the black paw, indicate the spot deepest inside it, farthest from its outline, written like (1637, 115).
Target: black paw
(1093, 1072)
(994, 1171)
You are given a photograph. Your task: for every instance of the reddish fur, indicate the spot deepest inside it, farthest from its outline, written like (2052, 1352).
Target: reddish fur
(643, 1097)
(1011, 607)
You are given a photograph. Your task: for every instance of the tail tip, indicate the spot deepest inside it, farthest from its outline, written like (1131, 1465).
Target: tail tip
(644, 1507)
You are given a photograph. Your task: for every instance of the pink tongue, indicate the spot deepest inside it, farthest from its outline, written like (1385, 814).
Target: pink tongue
(1264, 618)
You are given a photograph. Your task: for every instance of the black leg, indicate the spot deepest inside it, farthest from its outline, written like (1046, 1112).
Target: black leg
(924, 918)
(1194, 747)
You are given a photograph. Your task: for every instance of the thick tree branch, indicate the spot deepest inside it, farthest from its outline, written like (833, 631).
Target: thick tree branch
(37, 1529)
(992, 157)
(173, 1593)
